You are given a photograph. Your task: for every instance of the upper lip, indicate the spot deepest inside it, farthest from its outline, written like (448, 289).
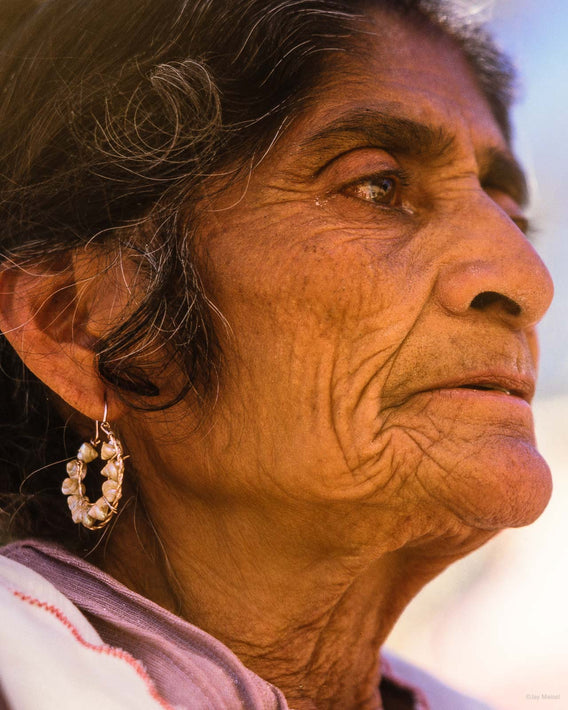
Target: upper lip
(517, 385)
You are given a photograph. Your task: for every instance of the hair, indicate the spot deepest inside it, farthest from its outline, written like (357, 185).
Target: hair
(114, 116)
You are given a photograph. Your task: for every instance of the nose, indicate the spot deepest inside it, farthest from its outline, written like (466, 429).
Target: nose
(491, 267)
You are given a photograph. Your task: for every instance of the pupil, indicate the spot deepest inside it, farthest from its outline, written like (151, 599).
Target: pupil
(381, 188)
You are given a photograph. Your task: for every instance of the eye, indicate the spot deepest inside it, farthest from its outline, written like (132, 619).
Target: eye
(511, 207)
(384, 189)
(523, 224)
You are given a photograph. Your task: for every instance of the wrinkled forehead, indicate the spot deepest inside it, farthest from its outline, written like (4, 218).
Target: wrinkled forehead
(401, 84)
(407, 66)
(406, 87)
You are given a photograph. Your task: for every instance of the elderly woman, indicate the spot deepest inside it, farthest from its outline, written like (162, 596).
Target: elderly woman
(265, 261)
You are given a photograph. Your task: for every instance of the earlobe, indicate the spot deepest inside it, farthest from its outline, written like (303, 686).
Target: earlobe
(45, 316)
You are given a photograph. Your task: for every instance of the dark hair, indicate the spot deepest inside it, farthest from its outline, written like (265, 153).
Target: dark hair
(113, 115)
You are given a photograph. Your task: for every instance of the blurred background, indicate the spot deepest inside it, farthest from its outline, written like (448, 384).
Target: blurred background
(495, 625)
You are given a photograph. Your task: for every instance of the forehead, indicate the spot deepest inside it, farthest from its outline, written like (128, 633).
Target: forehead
(399, 68)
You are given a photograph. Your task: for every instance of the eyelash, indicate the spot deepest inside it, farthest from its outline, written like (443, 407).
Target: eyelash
(399, 177)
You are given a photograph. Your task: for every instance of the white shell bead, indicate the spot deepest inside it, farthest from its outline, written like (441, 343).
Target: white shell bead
(77, 469)
(108, 451)
(87, 520)
(78, 512)
(111, 471)
(71, 486)
(73, 501)
(87, 453)
(99, 510)
(72, 467)
(110, 491)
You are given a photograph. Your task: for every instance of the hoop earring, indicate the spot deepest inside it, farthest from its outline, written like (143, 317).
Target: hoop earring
(96, 515)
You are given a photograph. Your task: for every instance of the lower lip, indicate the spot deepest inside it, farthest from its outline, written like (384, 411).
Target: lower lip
(492, 398)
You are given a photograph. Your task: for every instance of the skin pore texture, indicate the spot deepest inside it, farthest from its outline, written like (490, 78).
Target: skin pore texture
(372, 422)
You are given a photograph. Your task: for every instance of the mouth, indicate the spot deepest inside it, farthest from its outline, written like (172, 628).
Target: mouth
(520, 387)
(513, 387)
(487, 388)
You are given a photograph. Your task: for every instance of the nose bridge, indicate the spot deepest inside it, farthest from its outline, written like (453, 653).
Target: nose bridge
(490, 265)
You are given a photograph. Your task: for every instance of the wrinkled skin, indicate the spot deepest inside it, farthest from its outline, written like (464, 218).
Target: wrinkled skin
(352, 320)
(344, 463)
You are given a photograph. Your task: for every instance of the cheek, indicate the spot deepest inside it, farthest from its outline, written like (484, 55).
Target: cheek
(316, 315)
(315, 311)
(304, 265)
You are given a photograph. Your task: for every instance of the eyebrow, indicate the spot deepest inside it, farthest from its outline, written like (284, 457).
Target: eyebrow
(501, 171)
(409, 138)
(383, 130)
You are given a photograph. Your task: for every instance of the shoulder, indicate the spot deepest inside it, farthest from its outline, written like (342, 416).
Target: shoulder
(430, 692)
(50, 655)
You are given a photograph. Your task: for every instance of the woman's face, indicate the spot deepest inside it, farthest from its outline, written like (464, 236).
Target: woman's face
(381, 299)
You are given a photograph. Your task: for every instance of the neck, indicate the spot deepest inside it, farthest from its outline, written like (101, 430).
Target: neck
(309, 620)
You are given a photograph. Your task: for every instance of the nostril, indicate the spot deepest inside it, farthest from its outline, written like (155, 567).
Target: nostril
(489, 298)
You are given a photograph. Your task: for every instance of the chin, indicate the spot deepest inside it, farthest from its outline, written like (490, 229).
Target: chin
(507, 489)
(480, 459)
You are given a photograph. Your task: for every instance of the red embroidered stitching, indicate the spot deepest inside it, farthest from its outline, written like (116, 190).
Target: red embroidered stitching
(107, 650)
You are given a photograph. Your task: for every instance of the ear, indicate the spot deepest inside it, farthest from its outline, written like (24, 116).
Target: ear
(53, 317)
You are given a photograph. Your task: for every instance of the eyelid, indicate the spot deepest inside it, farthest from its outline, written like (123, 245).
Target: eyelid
(503, 190)
(512, 209)
(525, 225)
(360, 160)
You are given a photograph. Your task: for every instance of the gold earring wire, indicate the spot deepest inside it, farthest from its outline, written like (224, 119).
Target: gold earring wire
(96, 515)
